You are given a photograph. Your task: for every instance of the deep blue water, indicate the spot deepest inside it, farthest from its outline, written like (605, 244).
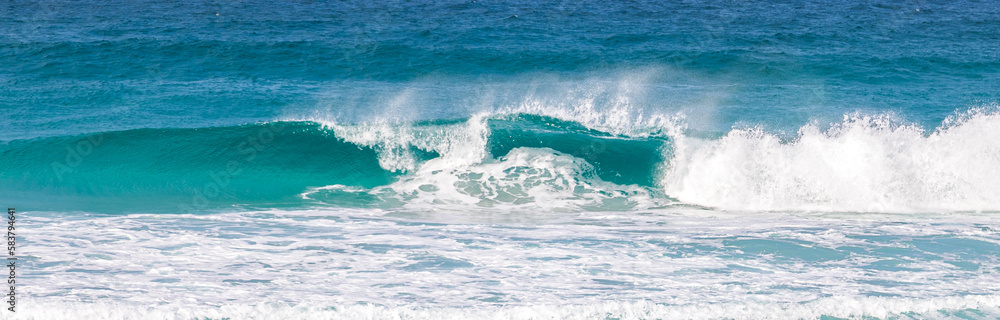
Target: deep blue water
(83, 66)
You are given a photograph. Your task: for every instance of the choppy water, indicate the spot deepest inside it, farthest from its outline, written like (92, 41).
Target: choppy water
(481, 159)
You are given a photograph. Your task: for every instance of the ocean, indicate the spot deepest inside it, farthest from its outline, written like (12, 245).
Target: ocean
(481, 159)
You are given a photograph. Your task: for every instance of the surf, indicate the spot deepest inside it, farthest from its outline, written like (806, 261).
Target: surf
(566, 160)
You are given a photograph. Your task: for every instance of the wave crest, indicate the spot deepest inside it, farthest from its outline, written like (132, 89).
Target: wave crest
(864, 163)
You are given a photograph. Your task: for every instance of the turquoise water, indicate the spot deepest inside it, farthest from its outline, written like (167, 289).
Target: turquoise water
(514, 159)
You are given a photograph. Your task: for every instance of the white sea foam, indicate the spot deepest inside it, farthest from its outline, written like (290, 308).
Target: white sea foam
(865, 163)
(959, 307)
(347, 257)
(536, 178)
(457, 144)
